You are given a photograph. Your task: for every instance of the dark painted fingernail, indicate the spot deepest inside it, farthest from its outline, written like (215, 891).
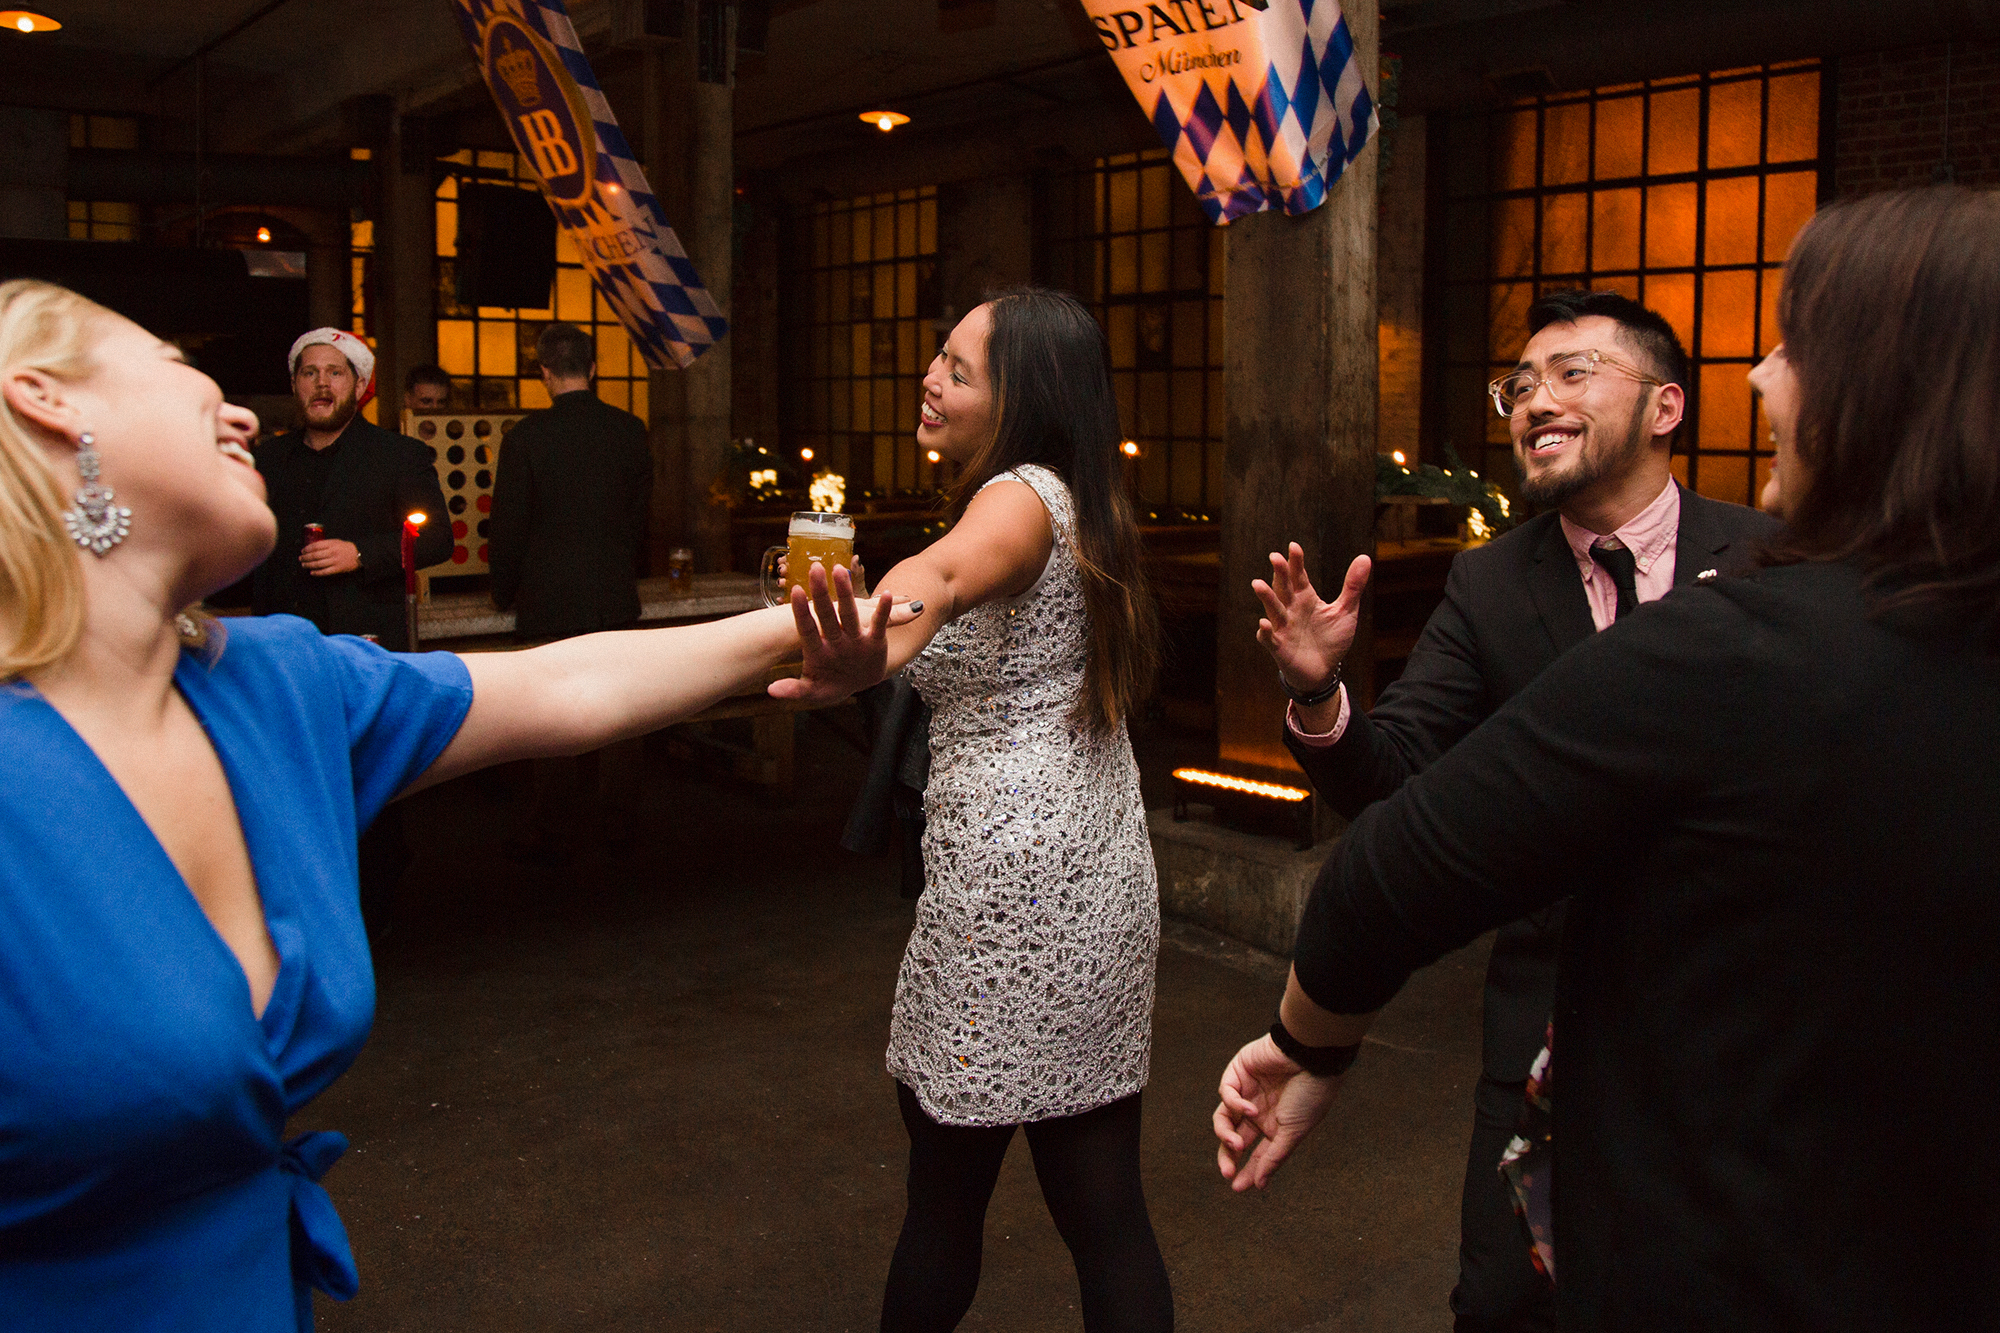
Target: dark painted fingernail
(916, 608)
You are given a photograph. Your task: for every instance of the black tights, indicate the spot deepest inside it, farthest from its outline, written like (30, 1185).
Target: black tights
(1088, 1165)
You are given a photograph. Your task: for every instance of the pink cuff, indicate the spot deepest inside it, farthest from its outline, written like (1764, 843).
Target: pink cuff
(1312, 738)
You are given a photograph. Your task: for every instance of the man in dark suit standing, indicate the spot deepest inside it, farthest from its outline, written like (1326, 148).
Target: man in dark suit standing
(571, 499)
(357, 483)
(1592, 408)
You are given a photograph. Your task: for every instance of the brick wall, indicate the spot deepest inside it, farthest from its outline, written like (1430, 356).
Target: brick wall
(1891, 122)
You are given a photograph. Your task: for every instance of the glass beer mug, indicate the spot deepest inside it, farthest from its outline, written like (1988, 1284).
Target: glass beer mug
(813, 539)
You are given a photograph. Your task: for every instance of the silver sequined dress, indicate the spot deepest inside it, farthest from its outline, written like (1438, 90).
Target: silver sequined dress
(1027, 989)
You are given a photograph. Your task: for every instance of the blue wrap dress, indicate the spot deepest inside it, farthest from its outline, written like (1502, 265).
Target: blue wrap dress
(145, 1180)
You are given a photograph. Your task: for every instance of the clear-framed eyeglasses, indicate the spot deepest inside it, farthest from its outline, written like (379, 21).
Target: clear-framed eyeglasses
(1566, 378)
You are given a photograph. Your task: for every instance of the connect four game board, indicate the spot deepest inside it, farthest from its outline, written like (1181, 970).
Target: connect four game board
(465, 448)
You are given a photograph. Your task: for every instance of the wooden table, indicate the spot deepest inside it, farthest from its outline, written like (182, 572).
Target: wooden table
(468, 623)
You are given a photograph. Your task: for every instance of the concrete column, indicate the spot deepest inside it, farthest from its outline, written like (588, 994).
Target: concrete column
(405, 268)
(1299, 321)
(329, 287)
(34, 173)
(691, 163)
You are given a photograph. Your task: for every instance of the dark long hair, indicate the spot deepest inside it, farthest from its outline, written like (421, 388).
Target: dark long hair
(1053, 405)
(1891, 319)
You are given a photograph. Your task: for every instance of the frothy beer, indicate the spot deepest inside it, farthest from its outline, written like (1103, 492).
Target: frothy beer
(819, 539)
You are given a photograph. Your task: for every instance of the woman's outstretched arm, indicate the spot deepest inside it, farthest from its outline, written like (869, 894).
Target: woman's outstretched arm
(583, 693)
(997, 549)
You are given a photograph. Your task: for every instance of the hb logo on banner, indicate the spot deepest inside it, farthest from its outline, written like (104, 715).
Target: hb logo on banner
(1261, 101)
(561, 122)
(529, 95)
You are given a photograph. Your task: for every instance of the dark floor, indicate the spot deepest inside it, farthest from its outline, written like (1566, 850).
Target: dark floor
(647, 1093)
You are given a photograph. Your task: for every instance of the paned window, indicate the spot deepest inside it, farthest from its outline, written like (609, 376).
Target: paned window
(102, 221)
(489, 351)
(103, 131)
(862, 329)
(94, 220)
(1683, 194)
(1127, 237)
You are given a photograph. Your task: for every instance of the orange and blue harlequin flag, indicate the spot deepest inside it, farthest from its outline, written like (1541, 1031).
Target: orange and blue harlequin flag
(563, 125)
(1262, 102)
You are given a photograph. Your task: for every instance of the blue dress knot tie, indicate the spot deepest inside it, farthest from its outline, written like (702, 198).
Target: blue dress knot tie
(319, 1238)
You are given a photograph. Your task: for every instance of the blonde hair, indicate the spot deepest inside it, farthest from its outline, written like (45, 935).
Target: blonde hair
(51, 329)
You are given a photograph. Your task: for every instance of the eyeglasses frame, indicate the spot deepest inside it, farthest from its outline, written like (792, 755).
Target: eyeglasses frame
(1595, 359)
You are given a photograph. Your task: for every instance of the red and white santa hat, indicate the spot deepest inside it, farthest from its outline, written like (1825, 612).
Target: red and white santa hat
(358, 353)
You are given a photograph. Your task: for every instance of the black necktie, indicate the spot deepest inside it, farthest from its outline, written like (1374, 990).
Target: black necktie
(1623, 569)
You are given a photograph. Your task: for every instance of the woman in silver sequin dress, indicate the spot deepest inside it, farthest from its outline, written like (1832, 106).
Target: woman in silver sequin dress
(1026, 993)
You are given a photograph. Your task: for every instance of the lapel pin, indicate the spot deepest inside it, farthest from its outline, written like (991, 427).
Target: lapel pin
(1705, 576)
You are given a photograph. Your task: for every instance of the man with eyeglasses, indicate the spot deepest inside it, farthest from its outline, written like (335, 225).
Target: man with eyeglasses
(1593, 407)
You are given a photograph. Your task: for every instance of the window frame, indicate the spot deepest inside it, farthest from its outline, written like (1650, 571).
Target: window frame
(1465, 218)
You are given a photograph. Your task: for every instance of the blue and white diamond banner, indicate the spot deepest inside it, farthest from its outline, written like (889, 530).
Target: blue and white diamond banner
(1263, 105)
(562, 124)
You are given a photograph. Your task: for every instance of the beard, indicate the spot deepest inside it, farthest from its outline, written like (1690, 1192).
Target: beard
(1595, 462)
(332, 417)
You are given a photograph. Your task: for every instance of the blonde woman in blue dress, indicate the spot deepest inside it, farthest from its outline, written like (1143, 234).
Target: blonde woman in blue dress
(1026, 993)
(182, 962)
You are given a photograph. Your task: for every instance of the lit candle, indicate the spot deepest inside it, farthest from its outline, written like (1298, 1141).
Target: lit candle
(415, 520)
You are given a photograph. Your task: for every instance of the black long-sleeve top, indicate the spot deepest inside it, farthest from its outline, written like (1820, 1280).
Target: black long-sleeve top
(1779, 991)
(360, 488)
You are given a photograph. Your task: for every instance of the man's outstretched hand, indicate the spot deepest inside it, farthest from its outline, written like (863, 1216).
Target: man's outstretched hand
(1268, 1105)
(1307, 637)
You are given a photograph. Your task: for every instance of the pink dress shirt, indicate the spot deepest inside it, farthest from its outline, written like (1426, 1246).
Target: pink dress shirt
(1649, 536)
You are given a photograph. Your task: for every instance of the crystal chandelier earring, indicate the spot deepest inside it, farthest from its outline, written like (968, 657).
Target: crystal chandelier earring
(95, 524)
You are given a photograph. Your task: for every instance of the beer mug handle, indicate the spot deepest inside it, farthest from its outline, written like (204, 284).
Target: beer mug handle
(776, 591)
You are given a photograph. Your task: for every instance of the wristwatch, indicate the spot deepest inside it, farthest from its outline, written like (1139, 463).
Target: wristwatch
(1318, 696)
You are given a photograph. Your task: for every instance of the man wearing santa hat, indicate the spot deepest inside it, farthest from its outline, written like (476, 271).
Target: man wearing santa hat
(352, 484)
(341, 488)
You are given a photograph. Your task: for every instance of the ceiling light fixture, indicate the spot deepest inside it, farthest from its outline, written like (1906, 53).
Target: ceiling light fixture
(885, 120)
(26, 20)
(264, 235)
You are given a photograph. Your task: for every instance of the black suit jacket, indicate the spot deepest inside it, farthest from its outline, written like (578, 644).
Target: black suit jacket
(1780, 983)
(571, 502)
(1510, 608)
(375, 478)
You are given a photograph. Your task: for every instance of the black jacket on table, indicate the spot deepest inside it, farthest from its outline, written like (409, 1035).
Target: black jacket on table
(1780, 982)
(360, 488)
(571, 502)
(1510, 608)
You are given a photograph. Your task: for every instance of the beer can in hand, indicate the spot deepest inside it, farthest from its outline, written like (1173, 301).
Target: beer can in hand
(314, 533)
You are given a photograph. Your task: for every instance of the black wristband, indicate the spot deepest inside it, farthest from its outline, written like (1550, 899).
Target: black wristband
(1318, 696)
(1319, 1061)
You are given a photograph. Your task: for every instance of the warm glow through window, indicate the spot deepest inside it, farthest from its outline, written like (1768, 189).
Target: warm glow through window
(1683, 194)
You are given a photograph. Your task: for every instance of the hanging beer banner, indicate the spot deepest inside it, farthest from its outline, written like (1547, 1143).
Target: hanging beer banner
(1263, 105)
(562, 125)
